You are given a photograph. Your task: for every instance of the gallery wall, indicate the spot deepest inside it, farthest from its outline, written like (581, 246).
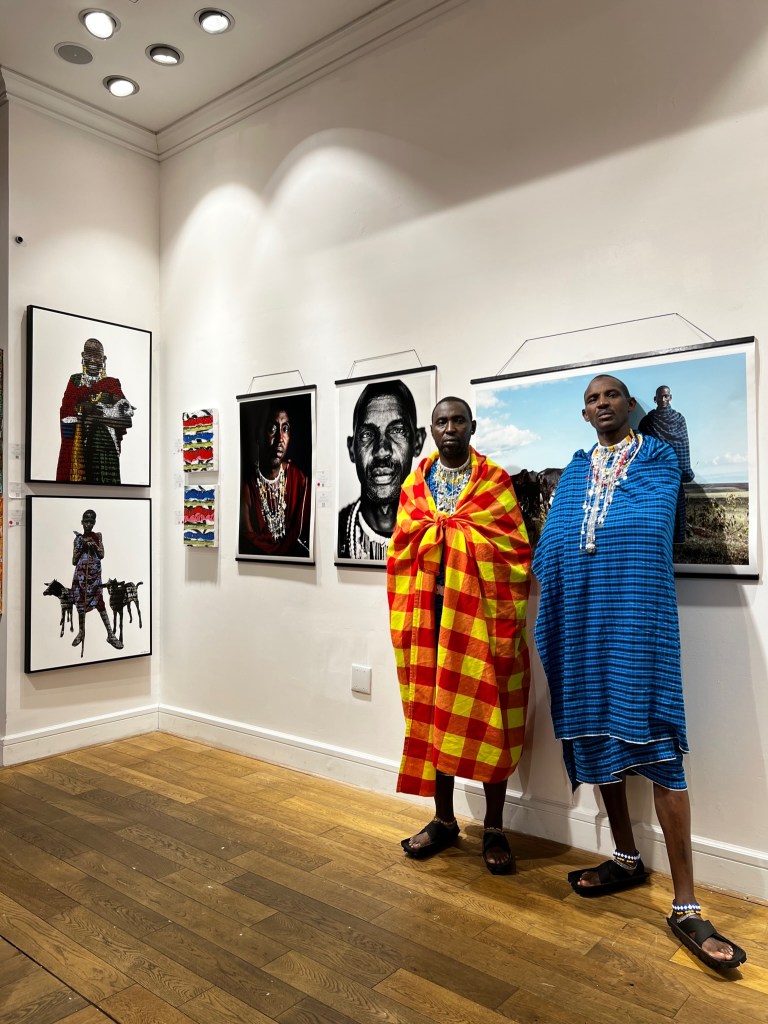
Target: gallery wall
(87, 211)
(508, 171)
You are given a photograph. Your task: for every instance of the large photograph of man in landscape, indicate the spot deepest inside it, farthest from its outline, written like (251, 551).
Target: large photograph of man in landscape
(382, 430)
(701, 401)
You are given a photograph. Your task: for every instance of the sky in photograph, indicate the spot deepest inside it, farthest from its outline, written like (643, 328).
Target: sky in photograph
(536, 423)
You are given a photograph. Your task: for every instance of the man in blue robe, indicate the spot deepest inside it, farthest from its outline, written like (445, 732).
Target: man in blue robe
(607, 633)
(669, 425)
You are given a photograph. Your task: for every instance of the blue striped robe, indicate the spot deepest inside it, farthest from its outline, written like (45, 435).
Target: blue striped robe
(607, 629)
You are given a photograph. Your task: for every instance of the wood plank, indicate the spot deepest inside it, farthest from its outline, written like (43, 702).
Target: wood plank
(235, 975)
(215, 1006)
(355, 1001)
(90, 1015)
(309, 1011)
(37, 998)
(434, 1001)
(218, 897)
(66, 960)
(135, 959)
(181, 854)
(396, 950)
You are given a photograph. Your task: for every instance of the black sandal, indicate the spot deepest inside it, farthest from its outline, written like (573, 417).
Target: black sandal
(612, 877)
(494, 839)
(441, 835)
(693, 933)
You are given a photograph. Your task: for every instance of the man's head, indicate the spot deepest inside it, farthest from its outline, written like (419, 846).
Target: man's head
(385, 439)
(93, 357)
(88, 520)
(663, 397)
(452, 429)
(607, 405)
(274, 438)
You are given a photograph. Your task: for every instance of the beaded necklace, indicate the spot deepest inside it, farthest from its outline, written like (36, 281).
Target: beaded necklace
(608, 467)
(447, 484)
(87, 380)
(272, 498)
(362, 541)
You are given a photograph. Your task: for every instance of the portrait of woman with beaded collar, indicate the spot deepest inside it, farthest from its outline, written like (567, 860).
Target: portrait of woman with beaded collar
(276, 507)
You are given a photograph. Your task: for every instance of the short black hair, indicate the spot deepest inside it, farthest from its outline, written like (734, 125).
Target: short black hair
(453, 398)
(379, 388)
(622, 385)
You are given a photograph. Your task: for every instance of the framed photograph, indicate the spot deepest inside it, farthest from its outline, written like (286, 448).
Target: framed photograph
(200, 440)
(88, 400)
(89, 581)
(701, 399)
(277, 474)
(382, 430)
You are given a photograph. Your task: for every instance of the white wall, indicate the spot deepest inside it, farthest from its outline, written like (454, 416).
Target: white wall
(88, 211)
(508, 171)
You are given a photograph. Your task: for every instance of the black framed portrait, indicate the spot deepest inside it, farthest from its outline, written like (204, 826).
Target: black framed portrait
(277, 472)
(383, 429)
(88, 400)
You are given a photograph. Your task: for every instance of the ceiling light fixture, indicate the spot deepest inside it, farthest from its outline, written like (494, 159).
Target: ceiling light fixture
(214, 21)
(99, 23)
(161, 53)
(118, 85)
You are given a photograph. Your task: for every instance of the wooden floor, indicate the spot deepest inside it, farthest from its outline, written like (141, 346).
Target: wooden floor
(159, 881)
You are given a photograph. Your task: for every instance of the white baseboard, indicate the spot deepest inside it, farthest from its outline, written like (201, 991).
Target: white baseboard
(718, 865)
(85, 732)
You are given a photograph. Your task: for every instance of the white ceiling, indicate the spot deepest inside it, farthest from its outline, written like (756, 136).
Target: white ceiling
(267, 33)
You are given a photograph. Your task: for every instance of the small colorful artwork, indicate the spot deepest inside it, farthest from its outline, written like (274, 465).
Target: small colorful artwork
(200, 440)
(200, 516)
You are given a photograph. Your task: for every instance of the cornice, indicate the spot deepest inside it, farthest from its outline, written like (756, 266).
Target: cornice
(29, 93)
(388, 21)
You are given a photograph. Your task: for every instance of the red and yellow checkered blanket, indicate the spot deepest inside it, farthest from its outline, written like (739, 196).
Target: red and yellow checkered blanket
(464, 703)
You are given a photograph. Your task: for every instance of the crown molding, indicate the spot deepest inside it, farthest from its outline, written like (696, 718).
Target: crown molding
(386, 22)
(26, 92)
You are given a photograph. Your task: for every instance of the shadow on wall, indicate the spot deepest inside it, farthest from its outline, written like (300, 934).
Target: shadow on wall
(531, 90)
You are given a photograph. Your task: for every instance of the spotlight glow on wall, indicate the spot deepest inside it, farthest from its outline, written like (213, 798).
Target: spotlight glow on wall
(99, 23)
(161, 53)
(120, 86)
(214, 21)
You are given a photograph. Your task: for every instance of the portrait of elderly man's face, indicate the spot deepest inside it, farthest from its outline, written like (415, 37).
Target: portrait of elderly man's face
(383, 447)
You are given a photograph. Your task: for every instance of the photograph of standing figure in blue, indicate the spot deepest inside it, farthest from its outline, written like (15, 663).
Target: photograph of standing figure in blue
(699, 399)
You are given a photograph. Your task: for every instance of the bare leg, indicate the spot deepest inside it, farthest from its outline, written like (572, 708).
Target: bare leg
(614, 796)
(495, 793)
(673, 809)
(443, 808)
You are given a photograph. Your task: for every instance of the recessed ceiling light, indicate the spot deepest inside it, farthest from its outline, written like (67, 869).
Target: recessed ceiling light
(99, 23)
(120, 86)
(160, 53)
(214, 21)
(73, 53)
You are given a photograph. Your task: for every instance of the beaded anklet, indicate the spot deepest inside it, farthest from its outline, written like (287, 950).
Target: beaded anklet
(441, 821)
(628, 861)
(683, 911)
